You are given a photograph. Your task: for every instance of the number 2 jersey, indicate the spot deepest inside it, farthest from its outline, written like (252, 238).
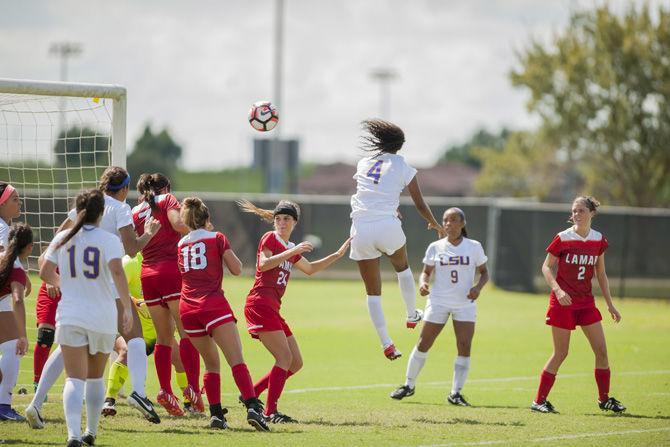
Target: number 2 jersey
(201, 265)
(270, 285)
(577, 258)
(455, 267)
(379, 182)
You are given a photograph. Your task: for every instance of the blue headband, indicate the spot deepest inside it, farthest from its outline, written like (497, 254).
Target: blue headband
(121, 185)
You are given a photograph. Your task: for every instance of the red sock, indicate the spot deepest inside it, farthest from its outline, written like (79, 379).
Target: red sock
(243, 380)
(40, 356)
(191, 360)
(603, 381)
(546, 382)
(275, 387)
(212, 383)
(262, 383)
(163, 360)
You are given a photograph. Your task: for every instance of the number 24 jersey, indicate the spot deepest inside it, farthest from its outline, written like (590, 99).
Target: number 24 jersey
(271, 284)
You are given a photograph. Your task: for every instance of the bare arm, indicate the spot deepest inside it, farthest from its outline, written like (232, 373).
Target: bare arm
(132, 244)
(604, 284)
(548, 272)
(311, 268)
(49, 275)
(121, 284)
(233, 263)
(19, 308)
(175, 221)
(424, 279)
(423, 208)
(483, 279)
(267, 262)
(66, 224)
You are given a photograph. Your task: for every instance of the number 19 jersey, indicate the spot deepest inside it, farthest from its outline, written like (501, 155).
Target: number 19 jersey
(201, 265)
(270, 285)
(577, 258)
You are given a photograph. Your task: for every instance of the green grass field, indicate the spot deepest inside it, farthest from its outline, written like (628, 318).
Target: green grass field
(341, 396)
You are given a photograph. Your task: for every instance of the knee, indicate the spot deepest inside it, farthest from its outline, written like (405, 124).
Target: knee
(424, 345)
(401, 267)
(600, 352)
(296, 364)
(463, 348)
(45, 337)
(560, 354)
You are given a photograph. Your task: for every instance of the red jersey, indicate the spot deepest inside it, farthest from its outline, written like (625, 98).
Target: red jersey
(16, 275)
(201, 264)
(272, 283)
(163, 246)
(577, 258)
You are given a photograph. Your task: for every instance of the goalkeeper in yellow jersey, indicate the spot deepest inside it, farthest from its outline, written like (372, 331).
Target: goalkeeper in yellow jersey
(118, 373)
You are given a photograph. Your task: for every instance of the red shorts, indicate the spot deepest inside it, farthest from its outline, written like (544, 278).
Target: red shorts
(200, 320)
(163, 285)
(565, 317)
(264, 318)
(45, 308)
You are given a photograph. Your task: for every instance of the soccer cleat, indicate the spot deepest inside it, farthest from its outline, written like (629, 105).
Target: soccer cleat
(109, 407)
(280, 418)
(88, 439)
(144, 406)
(457, 399)
(74, 443)
(239, 398)
(611, 404)
(402, 392)
(34, 418)
(255, 416)
(414, 319)
(218, 423)
(195, 397)
(7, 413)
(170, 402)
(391, 352)
(543, 407)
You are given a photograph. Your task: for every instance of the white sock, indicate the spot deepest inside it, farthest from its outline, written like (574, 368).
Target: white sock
(95, 398)
(9, 364)
(408, 290)
(461, 368)
(378, 320)
(53, 368)
(137, 364)
(416, 361)
(73, 397)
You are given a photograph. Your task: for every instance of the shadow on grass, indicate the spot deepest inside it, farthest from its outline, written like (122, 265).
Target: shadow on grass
(463, 421)
(629, 416)
(496, 407)
(24, 442)
(418, 402)
(338, 424)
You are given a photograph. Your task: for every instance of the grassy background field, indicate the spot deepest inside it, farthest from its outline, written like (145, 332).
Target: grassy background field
(341, 396)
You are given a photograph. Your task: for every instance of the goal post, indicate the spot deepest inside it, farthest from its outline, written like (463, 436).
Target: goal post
(56, 138)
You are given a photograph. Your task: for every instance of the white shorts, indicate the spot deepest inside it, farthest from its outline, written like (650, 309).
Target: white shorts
(439, 313)
(75, 336)
(372, 238)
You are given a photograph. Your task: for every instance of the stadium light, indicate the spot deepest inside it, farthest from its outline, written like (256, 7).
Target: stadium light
(384, 76)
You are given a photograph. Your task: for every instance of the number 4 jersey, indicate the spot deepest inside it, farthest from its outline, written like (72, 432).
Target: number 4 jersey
(270, 285)
(577, 258)
(201, 265)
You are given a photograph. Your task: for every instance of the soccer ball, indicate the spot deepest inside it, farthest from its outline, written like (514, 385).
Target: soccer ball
(263, 116)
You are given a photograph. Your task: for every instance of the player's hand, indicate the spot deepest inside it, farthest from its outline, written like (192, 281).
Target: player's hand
(52, 291)
(563, 298)
(343, 249)
(473, 294)
(441, 232)
(616, 316)
(424, 289)
(303, 247)
(21, 346)
(151, 225)
(127, 322)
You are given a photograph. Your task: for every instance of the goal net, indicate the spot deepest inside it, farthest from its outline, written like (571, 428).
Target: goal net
(55, 140)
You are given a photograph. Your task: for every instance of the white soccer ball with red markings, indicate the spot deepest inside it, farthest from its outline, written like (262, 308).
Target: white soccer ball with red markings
(263, 116)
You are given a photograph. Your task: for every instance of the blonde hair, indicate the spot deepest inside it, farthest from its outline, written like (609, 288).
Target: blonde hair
(269, 215)
(194, 213)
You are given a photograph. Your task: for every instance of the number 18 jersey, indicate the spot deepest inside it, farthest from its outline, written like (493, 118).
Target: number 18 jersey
(201, 264)
(577, 258)
(270, 285)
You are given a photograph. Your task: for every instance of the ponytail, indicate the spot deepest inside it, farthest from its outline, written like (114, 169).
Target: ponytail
(20, 236)
(382, 137)
(150, 185)
(464, 232)
(194, 213)
(89, 205)
(283, 207)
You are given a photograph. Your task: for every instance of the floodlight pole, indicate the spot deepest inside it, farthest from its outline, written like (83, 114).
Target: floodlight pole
(384, 76)
(64, 51)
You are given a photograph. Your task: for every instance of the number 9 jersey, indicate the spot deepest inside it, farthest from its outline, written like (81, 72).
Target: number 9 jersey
(577, 258)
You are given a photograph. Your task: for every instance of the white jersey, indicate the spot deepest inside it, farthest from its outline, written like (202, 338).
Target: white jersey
(379, 182)
(455, 267)
(117, 215)
(86, 284)
(4, 233)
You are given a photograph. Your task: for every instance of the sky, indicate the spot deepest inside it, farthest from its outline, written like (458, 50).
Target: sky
(196, 67)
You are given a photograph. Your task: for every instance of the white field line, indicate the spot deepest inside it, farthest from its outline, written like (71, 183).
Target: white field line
(551, 438)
